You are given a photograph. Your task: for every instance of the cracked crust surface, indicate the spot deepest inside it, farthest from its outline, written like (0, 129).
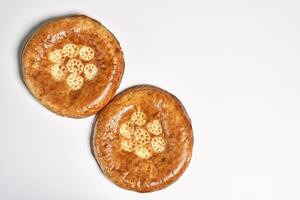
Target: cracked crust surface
(74, 37)
(149, 164)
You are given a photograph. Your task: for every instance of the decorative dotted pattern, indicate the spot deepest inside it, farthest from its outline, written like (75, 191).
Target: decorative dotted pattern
(141, 137)
(90, 71)
(75, 81)
(139, 118)
(70, 50)
(127, 129)
(56, 56)
(86, 53)
(58, 72)
(143, 151)
(128, 144)
(69, 64)
(158, 144)
(154, 127)
(74, 66)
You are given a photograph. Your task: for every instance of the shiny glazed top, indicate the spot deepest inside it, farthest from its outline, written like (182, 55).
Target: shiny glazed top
(73, 65)
(156, 146)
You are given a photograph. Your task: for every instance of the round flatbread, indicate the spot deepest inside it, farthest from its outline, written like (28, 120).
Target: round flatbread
(143, 139)
(73, 65)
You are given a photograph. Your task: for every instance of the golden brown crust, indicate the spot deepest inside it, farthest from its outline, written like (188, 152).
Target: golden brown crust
(80, 90)
(156, 164)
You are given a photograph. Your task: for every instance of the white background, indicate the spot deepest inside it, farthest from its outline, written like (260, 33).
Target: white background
(235, 65)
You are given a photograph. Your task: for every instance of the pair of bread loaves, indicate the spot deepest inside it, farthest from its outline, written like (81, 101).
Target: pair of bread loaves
(142, 137)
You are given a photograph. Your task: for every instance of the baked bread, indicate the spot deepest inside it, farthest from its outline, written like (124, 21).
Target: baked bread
(143, 139)
(73, 66)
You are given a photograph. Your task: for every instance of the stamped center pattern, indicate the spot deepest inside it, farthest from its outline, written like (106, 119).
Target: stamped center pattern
(141, 137)
(73, 63)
